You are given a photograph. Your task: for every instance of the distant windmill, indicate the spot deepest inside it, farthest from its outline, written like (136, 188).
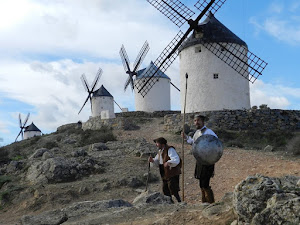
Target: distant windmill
(178, 13)
(90, 89)
(138, 61)
(22, 125)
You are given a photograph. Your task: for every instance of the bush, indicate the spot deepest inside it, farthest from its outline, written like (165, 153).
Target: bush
(51, 144)
(4, 179)
(104, 135)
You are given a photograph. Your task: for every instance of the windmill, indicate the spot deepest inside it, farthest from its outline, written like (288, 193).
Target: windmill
(22, 125)
(179, 14)
(90, 89)
(138, 61)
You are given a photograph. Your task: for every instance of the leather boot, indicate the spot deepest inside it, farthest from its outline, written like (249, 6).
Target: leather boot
(209, 195)
(203, 195)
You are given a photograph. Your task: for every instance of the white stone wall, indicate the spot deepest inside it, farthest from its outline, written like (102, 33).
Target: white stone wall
(103, 103)
(157, 99)
(29, 134)
(204, 93)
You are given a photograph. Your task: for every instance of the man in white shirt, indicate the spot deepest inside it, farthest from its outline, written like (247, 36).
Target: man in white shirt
(169, 164)
(202, 172)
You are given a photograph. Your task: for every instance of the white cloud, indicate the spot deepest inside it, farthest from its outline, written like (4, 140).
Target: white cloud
(280, 23)
(275, 96)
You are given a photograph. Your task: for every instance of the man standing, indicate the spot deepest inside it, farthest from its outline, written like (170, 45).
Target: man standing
(202, 172)
(169, 164)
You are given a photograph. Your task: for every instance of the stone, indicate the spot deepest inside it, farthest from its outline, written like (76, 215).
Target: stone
(50, 218)
(268, 148)
(148, 197)
(98, 147)
(38, 153)
(266, 200)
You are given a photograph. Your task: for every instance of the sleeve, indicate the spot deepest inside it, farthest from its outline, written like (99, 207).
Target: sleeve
(209, 131)
(156, 161)
(189, 140)
(174, 157)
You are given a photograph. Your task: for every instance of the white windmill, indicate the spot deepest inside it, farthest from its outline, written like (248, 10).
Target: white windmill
(31, 131)
(214, 58)
(158, 99)
(102, 102)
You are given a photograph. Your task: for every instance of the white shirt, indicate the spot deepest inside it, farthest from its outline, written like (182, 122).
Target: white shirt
(198, 133)
(173, 161)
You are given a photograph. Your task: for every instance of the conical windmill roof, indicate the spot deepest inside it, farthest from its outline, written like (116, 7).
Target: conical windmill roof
(211, 30)
(32, 127)
(143, 72)
(101, 92)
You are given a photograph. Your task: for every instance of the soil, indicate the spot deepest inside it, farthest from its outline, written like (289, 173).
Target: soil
(234, 166)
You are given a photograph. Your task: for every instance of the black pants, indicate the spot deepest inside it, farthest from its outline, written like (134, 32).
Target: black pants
(171, 187)
(204, 173)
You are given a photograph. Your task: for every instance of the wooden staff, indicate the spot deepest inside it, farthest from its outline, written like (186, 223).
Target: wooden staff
(182, 153)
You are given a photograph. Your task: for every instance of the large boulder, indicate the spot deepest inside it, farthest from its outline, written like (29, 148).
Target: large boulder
(75, 212)
(56, 170)
(266, 200)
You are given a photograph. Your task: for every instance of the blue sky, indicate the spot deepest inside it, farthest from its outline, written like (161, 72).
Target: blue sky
(45, 46)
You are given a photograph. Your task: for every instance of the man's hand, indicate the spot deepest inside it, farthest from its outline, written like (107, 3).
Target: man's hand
(166, 164)
(150, 159)
(183, 135)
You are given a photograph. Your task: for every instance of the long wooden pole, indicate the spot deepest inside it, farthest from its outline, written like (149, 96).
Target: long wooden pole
(182, 153)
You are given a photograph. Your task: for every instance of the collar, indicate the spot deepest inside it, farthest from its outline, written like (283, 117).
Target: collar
(203, 127)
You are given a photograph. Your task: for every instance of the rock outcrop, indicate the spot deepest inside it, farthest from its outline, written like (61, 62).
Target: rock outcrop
(266, 200)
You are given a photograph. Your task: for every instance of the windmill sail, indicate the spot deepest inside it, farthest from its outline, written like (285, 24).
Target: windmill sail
(22, 125)
(126, 63)
(177, 12)
(88, 88)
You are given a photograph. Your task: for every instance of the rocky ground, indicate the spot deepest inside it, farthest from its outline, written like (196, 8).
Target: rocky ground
(99, 183)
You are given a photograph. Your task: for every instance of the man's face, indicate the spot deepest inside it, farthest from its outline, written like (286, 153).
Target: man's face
(198, 123)
(159, 145)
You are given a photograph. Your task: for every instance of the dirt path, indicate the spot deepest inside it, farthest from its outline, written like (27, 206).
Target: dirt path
(234, 166)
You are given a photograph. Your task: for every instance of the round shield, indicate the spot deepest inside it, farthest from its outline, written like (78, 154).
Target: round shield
(207, 149)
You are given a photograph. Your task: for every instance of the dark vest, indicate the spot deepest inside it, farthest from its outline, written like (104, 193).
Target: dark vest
(168, 172)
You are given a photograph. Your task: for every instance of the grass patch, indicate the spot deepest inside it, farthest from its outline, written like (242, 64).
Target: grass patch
(4, 179)
(51, 144)
(88, 137)
(254, 139)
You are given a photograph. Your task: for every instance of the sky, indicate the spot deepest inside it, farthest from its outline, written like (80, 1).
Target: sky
(46, 45)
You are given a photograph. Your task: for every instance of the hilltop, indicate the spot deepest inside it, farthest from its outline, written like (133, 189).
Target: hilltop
(74, 176)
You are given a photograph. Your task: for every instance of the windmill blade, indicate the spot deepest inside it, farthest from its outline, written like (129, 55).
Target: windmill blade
(176, 11)
(238, 58)
(25, 121)
(97, 78)
(164, 60)
(84, 103)
(201, 4)
(85, 83)
(18, 135)
(20, 121)
(22, 135)
(143, 87)
(129, 81)
(125, 59)
(139, 59)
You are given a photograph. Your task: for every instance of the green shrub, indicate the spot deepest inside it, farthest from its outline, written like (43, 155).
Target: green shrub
(17, 158)
(104, 135)
(51, 144)
(4, 179)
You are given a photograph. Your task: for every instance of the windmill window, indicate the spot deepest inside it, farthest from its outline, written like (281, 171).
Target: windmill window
(197, 49)
(216, 75)
(222, 49)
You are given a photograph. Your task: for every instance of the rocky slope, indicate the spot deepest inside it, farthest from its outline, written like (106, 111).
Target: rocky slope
(98, 177)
